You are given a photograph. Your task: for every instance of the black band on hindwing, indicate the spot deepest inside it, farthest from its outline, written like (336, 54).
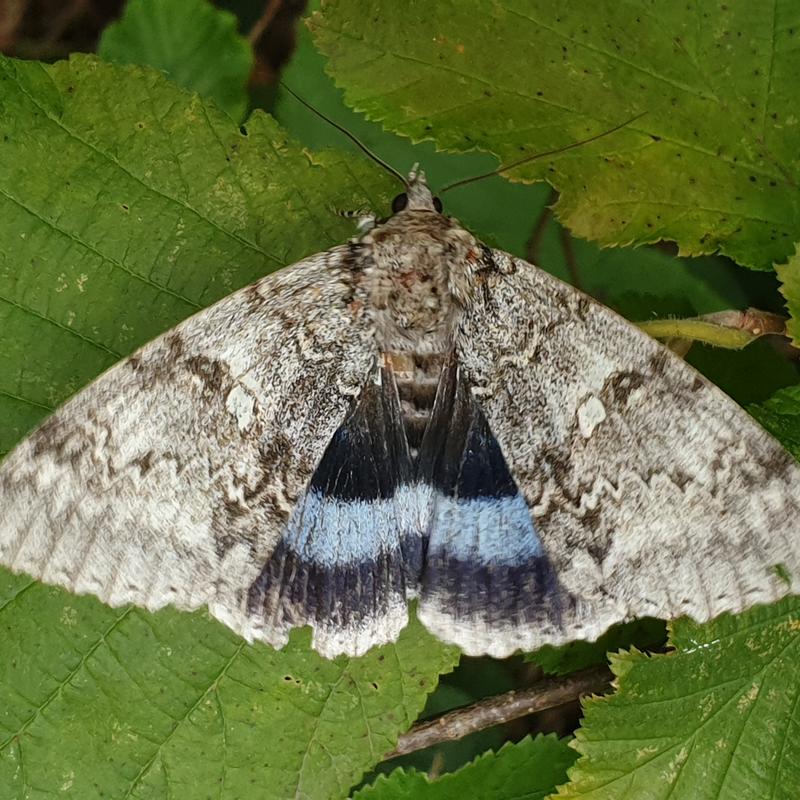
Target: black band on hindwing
(368, 456)
(459, 455)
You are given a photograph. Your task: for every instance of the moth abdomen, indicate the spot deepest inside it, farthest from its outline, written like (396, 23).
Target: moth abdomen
(416, 376)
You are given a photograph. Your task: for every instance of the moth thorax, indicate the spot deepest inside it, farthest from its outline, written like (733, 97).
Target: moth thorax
(417, 378)
(413, 310)
(408, 282)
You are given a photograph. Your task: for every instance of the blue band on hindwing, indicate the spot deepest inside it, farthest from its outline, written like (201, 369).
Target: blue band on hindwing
(374, 523)
(484, 560)
(353, 544)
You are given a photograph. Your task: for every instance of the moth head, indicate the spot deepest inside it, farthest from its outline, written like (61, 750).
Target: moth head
(417, 196)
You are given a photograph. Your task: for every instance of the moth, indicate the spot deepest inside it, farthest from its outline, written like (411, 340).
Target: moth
(411, 415)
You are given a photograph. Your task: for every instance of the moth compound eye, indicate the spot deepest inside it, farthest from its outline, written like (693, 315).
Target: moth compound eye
(399, 203)
(437, 204)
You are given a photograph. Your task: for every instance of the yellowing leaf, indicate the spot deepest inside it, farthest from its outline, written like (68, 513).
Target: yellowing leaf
(789, 274)
(709, 157)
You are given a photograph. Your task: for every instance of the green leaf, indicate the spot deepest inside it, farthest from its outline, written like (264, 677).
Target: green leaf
(643, 633)
(748, 376)
(114, 227)
(530, 769)
(500, 212)
(99, 702)
(195, 44)
(712, 163)
(639, 283)
(716, 719)
(789, 275)
(780, 415)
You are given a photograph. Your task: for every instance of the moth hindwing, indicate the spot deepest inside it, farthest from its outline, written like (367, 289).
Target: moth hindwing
(410, 415)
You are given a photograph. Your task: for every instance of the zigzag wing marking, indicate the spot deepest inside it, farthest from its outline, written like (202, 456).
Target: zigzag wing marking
(651, 491)
(171, 478)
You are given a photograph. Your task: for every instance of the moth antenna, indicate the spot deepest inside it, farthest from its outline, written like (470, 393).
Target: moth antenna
(352, 137)
(543, 154)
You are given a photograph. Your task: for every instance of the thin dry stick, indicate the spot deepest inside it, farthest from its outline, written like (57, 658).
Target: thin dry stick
(257, 31)
(569, 257)
(532, 247)
(548, 693)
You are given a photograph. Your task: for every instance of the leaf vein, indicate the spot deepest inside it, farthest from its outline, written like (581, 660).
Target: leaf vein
(92, 249)
(61, 684)
(26, 400)
(110, 159)
(61, 326)
(178, 722)
(14, 597)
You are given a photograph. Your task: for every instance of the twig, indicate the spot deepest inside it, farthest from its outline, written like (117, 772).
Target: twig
(263, 22)
(548, 693)
(569, 257)
(532, 247)
(730, 329)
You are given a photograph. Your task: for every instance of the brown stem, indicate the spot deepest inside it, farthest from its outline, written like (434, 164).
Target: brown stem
(532, 247)
(549, 693)
(257, 31)
(569, 257)
(753, 320)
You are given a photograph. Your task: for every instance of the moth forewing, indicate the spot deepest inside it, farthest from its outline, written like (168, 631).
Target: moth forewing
(412, 414)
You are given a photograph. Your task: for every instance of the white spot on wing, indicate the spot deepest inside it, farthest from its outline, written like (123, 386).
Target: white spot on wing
(591, 413)
(242, 406)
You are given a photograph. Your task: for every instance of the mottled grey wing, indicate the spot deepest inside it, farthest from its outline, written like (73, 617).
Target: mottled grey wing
(651, 491)
(171, 478)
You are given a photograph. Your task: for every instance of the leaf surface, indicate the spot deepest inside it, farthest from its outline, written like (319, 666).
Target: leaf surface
(528, 770)
(789, 275)
(193, 42)
(710, 154)
(99, 702)
(780, 415)
(113, 228)
(716, 719)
